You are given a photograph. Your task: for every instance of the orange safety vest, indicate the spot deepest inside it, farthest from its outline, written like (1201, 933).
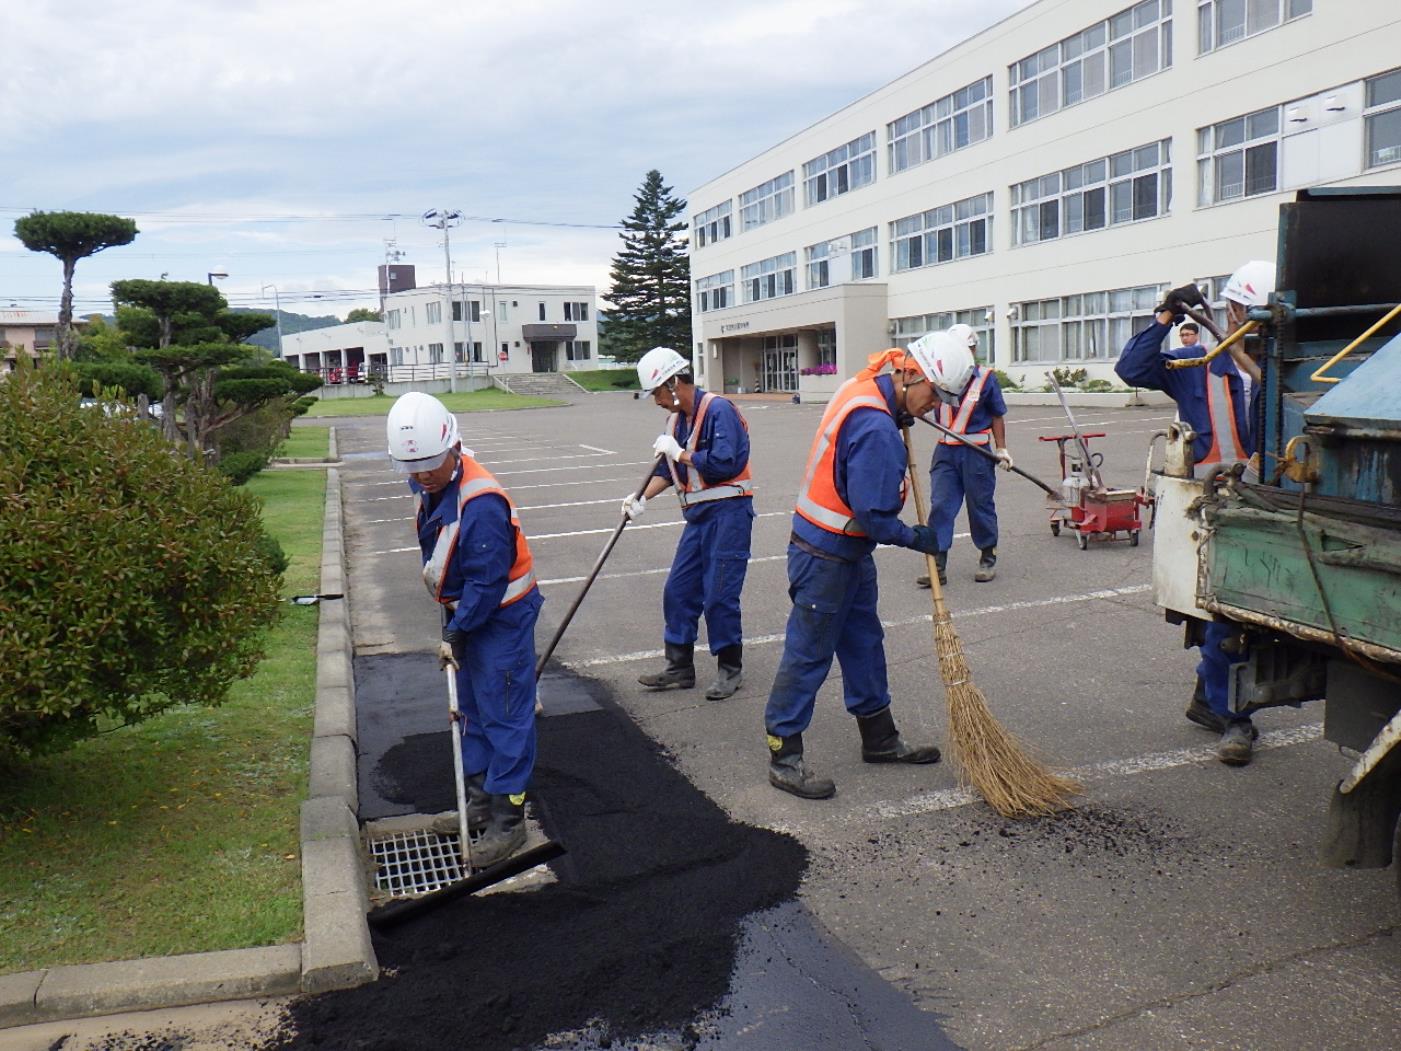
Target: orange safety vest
(1226, 446)
(475, 481)
(959, 424)
(696, 490)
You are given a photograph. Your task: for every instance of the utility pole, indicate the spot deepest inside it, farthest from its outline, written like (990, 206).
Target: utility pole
(499, 245)
(277, 305)
(444, 219)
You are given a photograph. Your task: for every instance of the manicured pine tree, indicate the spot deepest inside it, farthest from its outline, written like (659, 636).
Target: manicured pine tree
(651, 275)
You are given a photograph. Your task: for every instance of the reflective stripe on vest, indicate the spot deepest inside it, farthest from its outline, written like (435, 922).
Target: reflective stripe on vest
(696, 490)
(818, 500)
(959, 424)
(1226, 446)
(476, 481)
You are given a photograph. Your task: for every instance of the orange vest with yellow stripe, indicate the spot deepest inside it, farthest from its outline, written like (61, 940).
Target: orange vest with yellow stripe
(697, 490)
(818, 499)
(959, 423)
(475, 481)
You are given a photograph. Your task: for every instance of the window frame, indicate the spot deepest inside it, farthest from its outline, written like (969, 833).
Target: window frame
(926, 130)
(927, 229)
(771, 278)
(1076, 315)
(980, 319)
(852, 164)
(719, 286)
(1209, 20)
(713, 225)
(768, 202)
(1210, 155)
(1373, 112)
(1055, 193)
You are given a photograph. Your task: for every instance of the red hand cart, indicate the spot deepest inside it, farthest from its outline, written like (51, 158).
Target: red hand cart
(1088, 508)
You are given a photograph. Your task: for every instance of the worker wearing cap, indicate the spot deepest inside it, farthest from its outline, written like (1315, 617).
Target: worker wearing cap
(852, 491)
(1215, 401)
(704, 455)
(477, 565)
(970, 404)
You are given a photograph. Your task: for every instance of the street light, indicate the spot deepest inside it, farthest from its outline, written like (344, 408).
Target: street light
(444, 219)
(499, 245)
(277, 304)
(212, 275)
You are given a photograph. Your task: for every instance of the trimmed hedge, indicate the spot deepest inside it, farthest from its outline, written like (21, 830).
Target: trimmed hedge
(131, 578)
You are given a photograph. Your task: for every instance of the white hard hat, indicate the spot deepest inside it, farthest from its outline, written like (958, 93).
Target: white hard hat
(657, 366)
(941, 357)
(1251, 284)
(421, 433)
(964, 334)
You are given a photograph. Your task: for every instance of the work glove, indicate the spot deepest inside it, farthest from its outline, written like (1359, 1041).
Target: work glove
(1004, 459)
(924, 540)
(451, 649)
(1183, 296)
(633, 506)
(667, 446)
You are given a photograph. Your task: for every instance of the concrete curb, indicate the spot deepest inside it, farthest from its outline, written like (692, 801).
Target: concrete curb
(336, 952)
(1119, 399)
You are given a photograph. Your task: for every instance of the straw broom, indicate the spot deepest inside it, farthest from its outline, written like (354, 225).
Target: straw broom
(988, 758)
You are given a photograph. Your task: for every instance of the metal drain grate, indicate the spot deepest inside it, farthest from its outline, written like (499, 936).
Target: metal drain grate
(408, 864)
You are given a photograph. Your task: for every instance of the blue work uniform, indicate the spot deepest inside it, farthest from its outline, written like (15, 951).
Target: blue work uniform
(712, 556)
(496, 677)
(832, 578)
(958, 474)
(1143, 363)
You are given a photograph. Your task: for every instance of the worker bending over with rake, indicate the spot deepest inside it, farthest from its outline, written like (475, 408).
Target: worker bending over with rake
(704, 455)
(850, 499)
(970, 404)
(1215, 401)
(476, 563)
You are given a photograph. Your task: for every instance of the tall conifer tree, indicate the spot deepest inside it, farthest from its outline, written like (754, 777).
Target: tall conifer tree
(651, 295)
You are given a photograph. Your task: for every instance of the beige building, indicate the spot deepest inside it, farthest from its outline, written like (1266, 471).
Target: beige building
(1043, 181)
(31, 332)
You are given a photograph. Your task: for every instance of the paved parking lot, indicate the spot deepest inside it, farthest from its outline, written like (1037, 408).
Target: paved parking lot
(1180, 906)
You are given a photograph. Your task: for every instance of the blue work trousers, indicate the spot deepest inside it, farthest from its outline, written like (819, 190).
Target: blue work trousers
(707, 575)
(834, 614)
(1215, 669)
(496, 694)
(958, 473)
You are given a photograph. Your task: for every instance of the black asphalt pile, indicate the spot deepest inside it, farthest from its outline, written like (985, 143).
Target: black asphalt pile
(638, 936)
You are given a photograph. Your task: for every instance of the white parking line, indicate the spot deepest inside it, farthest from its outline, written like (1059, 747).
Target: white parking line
(547, 459)
(573, 467)
(763, 640)
(950, 798)
(531, 470)
(595, 448)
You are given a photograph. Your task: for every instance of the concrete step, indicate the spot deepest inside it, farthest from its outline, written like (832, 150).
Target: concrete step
(551, 384)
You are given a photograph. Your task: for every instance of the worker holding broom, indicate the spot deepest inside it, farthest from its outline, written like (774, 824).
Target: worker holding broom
(850, 499)
(704, 455)
(476, 563)
(1214, 401)
(971, 405)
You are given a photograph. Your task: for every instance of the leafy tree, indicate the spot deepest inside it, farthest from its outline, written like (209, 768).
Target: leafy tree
(363, 314)
(651, 277)
(70, 236)
(130, 580)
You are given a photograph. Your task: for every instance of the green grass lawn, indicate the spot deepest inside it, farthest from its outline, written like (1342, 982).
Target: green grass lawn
(306, 443)
(606, 379)
(180, 834)
(489, 400)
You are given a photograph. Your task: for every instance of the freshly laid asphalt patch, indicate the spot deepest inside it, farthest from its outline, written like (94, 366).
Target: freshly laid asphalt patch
(639, 937)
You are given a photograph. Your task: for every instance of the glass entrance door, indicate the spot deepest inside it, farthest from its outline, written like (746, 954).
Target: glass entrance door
(780, 363)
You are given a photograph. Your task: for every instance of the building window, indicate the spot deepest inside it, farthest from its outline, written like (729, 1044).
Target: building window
(841, 170)
(392, 320)
(576, 349)
(713, 224)
(715, 292)
(474, 313)
(433, 314)
(827, 347)
(979, 319)
(457, 352)
(849, 258)
(396, 355)
(940, 235)
(1383, 117)
(477, 352)
(766, 202)
(576, 311)
(499, 305)
(1238, 158)
(1093, 326)
(769, 278)
(947, 124)
(1222, 22)
(1125, 47)
(1123, 188)
(542, 311)
(435, 353)
(780, 363)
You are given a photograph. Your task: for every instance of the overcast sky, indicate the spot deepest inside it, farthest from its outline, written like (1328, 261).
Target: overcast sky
(272, 139)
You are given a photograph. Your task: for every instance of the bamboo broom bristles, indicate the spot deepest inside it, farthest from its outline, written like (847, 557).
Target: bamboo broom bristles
(988, 758)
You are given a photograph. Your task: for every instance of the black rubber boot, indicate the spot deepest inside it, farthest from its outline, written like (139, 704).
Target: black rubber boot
(729, 673)
(987, 566)
(505, 832)
(478, 809)
(680, 671)
(941, 562)
(881, 741)
(787, 772)
(1237, 742)
(1200, 712)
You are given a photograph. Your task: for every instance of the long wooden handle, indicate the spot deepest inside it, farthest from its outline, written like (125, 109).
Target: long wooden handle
(983, 450)
(922, 516)
(598, 564)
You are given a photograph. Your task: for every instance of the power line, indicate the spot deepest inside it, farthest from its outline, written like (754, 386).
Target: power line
(354, 217)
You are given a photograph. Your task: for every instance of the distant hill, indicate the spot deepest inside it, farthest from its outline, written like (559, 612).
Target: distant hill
(290, 323)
